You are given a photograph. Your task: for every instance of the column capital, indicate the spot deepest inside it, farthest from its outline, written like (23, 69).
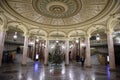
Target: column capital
(82, 37)
(47, 39)
(3, 29)
(109, 31)
(67, 39)
(87, 36)
(67, 36)
(26, 34)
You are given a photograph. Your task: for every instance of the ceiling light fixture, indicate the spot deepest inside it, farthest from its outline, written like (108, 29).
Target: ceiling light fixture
(15, 36)
(37, 39)
(57, 36)
(97, 36)
(77, 40)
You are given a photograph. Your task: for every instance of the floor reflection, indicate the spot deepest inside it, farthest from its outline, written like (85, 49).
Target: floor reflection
(36, 67)
(37, 71)
(108, 72)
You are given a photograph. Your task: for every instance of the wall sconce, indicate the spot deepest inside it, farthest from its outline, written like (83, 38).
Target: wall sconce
(83, 44)
(31, 43)
(57, 41)
(53, 46)
(63, 47)
(43, 45)
(71, 45)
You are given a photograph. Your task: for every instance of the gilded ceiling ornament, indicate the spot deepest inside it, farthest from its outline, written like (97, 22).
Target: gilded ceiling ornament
(57, 8)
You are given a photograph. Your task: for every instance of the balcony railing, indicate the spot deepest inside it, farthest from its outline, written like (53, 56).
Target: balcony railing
(10, 39)
(102, 41)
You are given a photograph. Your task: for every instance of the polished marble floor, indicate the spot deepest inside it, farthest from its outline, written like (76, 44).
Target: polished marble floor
(37, 71)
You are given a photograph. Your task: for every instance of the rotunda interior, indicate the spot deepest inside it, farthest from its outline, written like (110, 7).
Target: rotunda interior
(60, 32)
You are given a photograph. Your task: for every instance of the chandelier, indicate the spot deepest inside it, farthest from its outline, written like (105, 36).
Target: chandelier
(77, 40)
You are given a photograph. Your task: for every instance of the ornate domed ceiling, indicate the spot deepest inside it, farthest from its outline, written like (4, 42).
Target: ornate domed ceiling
(52, 13)
(57, 8)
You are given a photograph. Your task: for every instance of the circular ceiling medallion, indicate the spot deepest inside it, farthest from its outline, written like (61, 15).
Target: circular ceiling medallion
(57, 8)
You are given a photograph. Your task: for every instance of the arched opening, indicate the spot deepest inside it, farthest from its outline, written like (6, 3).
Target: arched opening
(57, 47)
(57, 51)
(13, 46)
(37, 44)
(14, 42)
(99, 50)
(77, 46)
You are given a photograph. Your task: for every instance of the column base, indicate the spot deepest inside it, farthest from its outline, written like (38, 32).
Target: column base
(45, 64)
(23, 65)
(88, 66)
(66, 64)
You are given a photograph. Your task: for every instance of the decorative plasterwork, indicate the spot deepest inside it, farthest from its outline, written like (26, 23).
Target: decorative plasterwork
(88, 10)
(113, 21)
(1, 22)
(96, 27)
(76, 33)
(17, 25)
(38, 32)
(57, 8)
(57, 34)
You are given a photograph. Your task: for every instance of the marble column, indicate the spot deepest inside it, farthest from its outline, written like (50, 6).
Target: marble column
(46, 53)
(2, 38)
(74, 51)
(88, 55)
(67, 53)
(25, 49)
(81, 48)
(111, 51)
(33, 50)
